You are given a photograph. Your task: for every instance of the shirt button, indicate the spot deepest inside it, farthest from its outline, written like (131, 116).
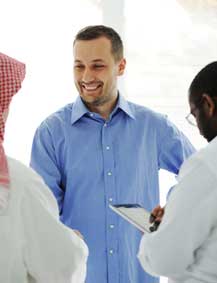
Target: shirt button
(109, 173)
(108, 147)
(112, 226)
(111, 252)
(110, 199)
(91, 114)
(105, 125)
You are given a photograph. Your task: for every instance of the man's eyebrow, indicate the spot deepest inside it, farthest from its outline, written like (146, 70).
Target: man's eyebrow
(77, 61)
(93, 61)
(97, 60)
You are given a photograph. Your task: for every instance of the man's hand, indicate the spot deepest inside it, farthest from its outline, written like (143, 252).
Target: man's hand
(157, 214)
(156, 217)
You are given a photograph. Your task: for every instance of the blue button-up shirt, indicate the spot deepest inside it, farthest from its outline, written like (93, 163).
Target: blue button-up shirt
(90, 163)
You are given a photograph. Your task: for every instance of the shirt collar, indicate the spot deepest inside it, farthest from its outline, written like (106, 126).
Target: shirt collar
(123, 104)
(79, 108)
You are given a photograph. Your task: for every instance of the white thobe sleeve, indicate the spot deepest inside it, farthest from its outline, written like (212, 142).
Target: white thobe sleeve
(53, 253)
(170, 251)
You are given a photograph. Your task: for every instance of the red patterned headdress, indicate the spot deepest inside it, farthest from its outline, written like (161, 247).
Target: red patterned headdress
(12, 73)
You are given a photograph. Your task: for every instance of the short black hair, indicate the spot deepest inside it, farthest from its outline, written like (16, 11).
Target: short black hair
(97, 31)
(205, 81)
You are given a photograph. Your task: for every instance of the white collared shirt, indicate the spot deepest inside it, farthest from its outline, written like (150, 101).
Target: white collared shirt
(184, 248)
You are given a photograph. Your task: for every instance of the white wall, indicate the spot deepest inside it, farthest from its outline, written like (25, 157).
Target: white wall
(168, 42)
(40, 33)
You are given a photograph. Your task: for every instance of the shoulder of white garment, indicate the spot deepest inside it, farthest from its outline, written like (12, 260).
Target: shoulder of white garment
(40, 213)
(159, 253)
(25, 181)
(204, 156)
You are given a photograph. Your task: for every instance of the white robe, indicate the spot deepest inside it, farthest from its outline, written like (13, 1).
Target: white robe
(34, 245)
(184, 248)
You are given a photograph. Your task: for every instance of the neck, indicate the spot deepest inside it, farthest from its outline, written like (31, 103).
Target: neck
(104, 109)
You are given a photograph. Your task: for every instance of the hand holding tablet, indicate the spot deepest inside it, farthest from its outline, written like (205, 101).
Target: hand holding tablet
(136, 215)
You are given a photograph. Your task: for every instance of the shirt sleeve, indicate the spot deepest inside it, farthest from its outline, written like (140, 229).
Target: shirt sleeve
(44, 162)
(188, 220)
(53, 253)
(174, 147)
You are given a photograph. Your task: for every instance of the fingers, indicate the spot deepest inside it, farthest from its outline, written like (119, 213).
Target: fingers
(156, 214)
(159, 215)
(151, 218)
(156, 217)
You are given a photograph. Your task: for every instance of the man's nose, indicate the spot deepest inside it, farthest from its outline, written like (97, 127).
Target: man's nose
(88, 76)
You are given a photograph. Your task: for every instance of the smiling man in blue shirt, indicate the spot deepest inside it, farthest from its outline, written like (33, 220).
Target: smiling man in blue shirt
(102, 149)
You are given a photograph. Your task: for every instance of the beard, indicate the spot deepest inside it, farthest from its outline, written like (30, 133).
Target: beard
(98, 101)
(99, 98)
(207, 126)
(209, 133)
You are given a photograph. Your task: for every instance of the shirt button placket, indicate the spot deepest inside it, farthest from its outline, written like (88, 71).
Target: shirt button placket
(108, 159)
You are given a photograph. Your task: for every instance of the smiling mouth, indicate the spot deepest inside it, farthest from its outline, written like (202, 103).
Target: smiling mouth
(90, 87)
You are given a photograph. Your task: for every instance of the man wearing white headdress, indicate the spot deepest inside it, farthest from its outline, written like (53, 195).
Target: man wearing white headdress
(34, 245)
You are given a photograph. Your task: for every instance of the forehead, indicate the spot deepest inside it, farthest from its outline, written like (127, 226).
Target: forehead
(95, 49)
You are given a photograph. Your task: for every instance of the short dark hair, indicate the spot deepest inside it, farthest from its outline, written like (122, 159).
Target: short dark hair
(205, 81)
(94, 32)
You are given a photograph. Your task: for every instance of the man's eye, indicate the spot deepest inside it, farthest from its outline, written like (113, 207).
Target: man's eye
(99, 66)
(78, 66)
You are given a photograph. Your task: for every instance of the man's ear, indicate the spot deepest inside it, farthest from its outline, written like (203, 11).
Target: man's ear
(121, 66)
(209, 105)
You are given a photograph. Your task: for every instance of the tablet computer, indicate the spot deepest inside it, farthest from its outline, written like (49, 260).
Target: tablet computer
(135, 214)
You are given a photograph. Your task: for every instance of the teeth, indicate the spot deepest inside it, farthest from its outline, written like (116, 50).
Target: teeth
(90, 87)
